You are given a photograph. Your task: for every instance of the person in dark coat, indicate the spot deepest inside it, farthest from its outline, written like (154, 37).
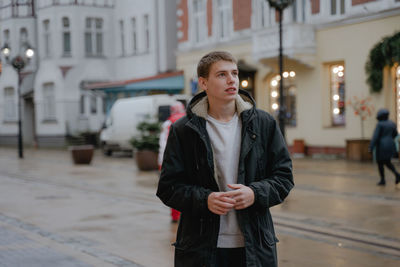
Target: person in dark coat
(383, 141)
(225, 164)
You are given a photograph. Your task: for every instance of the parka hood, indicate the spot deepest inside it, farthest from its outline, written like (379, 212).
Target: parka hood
(382, 115)
(199, 104)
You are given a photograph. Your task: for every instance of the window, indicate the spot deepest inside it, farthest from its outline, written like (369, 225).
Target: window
(82, 105)
(23, 38)
(289, 94)
(121, 29)
(46, 38)
(6, 37)
(10, 113)
(66, 37)
(94, 37)
(199, 15)
(93, 104)
(337, 95)
(299, 11)
(49, 102)
(104, 102)
(224, 15)
(134, 36)
(146, 32)
(335, 4)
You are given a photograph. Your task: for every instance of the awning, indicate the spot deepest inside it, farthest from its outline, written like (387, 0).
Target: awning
(172, 81)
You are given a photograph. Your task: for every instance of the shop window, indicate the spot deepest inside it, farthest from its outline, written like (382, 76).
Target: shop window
(337, 94)
(93, 104)
(82, 105)
(289, 97)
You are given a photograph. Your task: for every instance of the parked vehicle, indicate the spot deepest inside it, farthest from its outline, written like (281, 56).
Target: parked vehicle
(126, 113)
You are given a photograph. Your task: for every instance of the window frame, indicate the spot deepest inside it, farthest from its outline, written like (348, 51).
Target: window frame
(334, 89)
(199, 32)
(66, 31)
(46, 38)
(146, 31)
(93, 37)
(134, 35)
(49, 101)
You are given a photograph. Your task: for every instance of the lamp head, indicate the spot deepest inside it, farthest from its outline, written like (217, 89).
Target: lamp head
(5, 50)
(280, 4)
(29, 52)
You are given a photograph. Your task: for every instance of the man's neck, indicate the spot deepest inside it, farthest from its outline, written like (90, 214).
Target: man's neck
(222, 111)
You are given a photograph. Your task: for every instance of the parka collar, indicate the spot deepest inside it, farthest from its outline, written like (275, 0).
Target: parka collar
(199, 104)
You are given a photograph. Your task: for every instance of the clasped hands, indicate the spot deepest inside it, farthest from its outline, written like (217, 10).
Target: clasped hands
(239, 198)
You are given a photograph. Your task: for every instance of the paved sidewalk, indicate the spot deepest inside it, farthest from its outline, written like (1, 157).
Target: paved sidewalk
(54, 213)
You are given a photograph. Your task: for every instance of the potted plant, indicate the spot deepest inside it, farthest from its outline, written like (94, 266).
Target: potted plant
(81, 150)
(357, 149)
(146, 145)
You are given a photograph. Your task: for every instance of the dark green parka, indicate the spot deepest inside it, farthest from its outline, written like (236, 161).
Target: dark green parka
(187, 178)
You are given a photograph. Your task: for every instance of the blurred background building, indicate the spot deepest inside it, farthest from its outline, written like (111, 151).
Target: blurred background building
(326, 46)
(82, 45)
(91, 52)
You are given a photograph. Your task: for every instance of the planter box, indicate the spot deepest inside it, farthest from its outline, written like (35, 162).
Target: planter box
(146, 160)
(299, 148)
(82, 154)
(357, 149)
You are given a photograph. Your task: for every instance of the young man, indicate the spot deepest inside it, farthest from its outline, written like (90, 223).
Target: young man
(224, 166)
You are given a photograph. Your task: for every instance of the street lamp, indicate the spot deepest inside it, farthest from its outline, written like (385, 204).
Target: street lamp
(280, 5)
(18, 63)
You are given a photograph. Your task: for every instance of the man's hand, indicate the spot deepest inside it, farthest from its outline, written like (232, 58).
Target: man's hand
(219, 203)
(243, 195)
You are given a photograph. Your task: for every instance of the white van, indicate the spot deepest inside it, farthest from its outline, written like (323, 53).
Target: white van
(126, 113)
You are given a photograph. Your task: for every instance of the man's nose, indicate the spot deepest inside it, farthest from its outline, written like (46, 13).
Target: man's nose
(231, 79)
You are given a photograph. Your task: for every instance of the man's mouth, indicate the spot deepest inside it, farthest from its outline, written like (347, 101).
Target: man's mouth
(231, 90)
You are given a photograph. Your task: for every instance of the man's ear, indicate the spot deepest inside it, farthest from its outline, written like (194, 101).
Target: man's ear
(202, 83)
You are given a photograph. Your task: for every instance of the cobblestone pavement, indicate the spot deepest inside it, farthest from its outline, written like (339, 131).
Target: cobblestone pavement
(54, 213)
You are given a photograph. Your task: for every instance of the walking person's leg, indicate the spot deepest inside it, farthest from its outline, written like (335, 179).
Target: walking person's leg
(381, 173)
(391, 167)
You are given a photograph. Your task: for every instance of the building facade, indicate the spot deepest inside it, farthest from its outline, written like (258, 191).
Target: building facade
(78, 44)
(326, 46)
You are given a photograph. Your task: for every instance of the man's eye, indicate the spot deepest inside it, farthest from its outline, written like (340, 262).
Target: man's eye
(221, 75)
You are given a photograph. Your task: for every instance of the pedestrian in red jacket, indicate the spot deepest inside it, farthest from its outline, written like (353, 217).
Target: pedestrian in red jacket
(177, 111)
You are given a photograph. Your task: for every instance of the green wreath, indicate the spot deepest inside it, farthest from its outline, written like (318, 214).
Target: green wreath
(384, 53)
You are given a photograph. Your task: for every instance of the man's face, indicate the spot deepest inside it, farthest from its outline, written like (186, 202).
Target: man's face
(222, 83)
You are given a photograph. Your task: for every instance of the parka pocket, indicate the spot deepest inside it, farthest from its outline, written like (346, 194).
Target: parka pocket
(269, 239)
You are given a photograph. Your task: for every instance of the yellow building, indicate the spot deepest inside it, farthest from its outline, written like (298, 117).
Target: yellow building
(326, 46)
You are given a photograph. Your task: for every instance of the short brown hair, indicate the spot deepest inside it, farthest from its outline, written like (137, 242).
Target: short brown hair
(205, 63)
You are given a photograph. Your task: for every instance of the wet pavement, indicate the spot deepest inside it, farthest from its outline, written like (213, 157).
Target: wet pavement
(54, 213)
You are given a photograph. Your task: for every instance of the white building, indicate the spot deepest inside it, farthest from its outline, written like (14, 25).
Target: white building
(78, 43)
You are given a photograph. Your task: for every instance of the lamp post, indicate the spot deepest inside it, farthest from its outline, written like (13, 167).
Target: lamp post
(18, 63)
(280, 5)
